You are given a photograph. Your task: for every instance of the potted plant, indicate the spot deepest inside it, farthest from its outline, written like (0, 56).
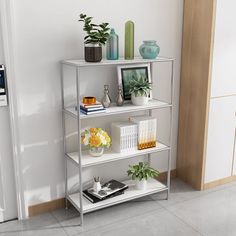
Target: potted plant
(96, 139)
(140, 89)
(141, 173)
(96, 37)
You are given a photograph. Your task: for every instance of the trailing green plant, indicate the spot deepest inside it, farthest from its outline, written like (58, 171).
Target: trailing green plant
(140, 86)
(95, 33)
(142, 171)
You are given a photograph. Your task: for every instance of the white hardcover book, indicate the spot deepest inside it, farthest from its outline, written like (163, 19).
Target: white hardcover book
(125, 139)
(147, 126)
(128, 138)
(136, 138)
(146, 130)
(122, 136)
(127, 135)
(155, 129)
(134, 133)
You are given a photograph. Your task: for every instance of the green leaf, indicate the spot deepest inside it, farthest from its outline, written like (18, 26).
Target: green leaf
(142, 171)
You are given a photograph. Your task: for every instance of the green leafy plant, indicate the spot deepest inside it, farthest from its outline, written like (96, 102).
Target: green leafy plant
(142, 171)
(140, 86)
(95, 33)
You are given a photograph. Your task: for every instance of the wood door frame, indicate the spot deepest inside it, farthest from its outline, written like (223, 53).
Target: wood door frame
(195, 87)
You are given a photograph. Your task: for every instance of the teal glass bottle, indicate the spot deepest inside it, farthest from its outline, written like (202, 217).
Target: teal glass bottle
(129, 40)
(113, 46)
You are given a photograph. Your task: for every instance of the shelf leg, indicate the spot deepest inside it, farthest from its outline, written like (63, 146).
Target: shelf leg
(171, 130)
(79, 146)
(168, 174)
(63, 133)
(66, 185)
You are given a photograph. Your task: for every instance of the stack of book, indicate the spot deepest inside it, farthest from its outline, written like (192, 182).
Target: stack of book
(124, 136)
(110, 189)
(92, 109)
(147, 131)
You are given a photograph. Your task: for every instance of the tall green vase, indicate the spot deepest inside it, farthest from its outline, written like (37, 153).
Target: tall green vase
(129, 40)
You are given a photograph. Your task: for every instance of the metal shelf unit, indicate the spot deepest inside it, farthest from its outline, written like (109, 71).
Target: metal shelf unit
(82, 160)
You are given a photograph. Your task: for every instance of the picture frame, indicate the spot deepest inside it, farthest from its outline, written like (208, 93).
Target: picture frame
(125, 74)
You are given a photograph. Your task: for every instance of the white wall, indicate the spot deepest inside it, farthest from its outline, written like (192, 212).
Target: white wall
(7, 179)
(47, 31)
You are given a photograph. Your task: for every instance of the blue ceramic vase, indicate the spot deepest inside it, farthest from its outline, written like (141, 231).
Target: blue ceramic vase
(149, 49)
(113, 46)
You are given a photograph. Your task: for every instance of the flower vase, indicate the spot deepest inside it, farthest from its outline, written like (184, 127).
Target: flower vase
(149, 49)
(96, 151)
(129, 40)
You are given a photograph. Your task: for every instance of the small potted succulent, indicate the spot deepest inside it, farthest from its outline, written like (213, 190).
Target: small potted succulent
(141, 173)
(97, 35)
(140, 90)
(96, 139)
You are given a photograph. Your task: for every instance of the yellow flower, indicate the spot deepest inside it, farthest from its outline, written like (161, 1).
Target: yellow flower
(82, 139)
(93, 130)
(108, 139)
(94, 141)
(95, 137)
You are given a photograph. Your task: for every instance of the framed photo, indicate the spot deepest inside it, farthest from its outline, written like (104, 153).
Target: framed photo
(128, 72)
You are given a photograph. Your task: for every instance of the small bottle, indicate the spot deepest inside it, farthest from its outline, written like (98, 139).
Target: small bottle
(106, 101)
(120, 99)
(113, 46)
(129, 40)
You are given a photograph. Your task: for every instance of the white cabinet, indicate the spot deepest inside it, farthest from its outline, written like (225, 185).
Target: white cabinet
(220, 161)
(220, 139)
(224, 63)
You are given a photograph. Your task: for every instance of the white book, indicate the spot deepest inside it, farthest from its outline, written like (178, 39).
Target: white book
(122, 136)
(147, 128)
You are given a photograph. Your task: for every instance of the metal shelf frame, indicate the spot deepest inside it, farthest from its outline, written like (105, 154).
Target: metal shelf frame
(78, 65)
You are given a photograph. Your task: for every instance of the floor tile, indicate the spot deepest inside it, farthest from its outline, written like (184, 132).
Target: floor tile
(45, 232)
(106, 216)
(212, 214)
(10, 226)
(44, 221)
(187, 212)
(159, 222)
(39, 232)
(179, 192)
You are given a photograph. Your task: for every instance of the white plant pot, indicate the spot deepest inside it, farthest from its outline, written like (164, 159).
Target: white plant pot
(139, 100)
(141, 185)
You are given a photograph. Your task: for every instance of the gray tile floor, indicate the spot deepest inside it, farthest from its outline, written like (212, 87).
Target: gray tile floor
(187, 212)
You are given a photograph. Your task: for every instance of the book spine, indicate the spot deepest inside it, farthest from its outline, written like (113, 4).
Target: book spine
(116, 138)
(155, 131)
(86, 196)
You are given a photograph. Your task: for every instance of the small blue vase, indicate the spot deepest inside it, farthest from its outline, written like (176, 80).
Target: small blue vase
(113, 46)
(149, 49)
